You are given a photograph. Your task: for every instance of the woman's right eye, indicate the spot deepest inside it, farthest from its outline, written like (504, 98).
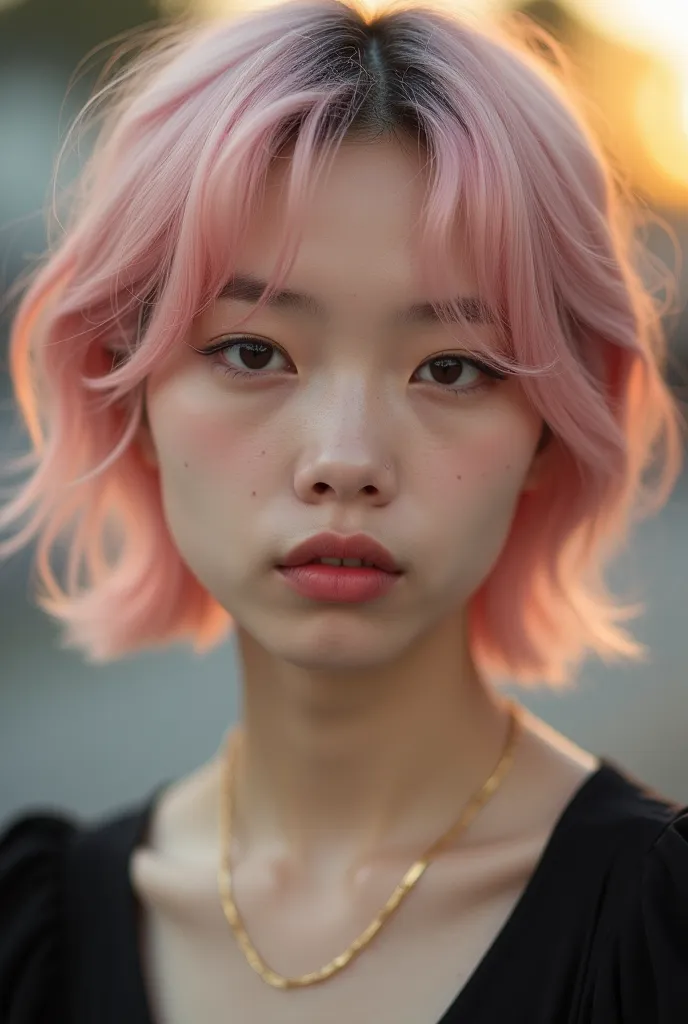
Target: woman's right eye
(248, 357)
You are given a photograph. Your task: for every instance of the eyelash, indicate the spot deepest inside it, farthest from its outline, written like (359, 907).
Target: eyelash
(490, 372)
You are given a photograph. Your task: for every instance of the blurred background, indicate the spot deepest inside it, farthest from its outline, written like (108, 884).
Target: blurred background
(93, 739)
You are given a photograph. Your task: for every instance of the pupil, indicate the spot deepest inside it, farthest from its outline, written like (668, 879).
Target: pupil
(448, 369)
(255, 356)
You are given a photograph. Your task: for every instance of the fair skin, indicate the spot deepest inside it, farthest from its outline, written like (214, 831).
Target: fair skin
(367, 726)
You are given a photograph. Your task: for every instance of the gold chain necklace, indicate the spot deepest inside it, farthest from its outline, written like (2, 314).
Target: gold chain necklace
(407, 883)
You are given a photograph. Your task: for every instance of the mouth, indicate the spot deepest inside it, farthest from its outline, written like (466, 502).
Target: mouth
(340, 581)
(357, 551)
(345, 563)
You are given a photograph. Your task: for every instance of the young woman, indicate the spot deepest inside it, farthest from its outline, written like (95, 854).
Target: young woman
(345, 348)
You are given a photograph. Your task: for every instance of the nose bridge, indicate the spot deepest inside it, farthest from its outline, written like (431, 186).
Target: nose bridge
(350, 415)
(347, 438)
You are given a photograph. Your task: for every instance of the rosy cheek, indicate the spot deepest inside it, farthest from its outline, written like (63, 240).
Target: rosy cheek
(208, 447)
(210, 444)
(494, 462)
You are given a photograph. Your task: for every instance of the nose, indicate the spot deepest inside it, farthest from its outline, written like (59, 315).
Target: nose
(345, 457)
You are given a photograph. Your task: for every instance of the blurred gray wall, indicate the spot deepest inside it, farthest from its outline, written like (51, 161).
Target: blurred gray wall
(91, 739)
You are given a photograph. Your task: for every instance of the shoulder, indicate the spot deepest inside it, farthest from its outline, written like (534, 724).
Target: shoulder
(49, 863)
(639, 958)
(652, 940)
(32, 855)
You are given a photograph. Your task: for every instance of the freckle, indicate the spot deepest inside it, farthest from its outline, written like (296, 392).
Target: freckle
(186, 465)
(262, 453)
(459, 477)
(253, 494)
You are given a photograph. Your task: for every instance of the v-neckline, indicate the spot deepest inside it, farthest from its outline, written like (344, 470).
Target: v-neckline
(140, 1010)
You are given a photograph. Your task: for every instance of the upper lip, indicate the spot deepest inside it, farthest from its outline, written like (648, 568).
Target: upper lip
(335, 545)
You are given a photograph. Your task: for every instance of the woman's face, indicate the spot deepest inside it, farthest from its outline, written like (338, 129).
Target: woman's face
(333, 416)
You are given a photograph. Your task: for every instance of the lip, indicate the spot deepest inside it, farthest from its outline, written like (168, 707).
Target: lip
(336, 545)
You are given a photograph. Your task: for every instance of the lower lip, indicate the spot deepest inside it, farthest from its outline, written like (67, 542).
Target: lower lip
(344, 583)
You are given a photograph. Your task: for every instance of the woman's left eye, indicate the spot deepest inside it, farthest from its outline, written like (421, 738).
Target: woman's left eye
(459, 373)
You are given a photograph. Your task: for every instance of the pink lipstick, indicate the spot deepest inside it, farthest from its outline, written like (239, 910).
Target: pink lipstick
(340, 569)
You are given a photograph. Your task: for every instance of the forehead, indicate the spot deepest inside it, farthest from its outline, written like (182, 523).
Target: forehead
(359, 229)
(379, 184)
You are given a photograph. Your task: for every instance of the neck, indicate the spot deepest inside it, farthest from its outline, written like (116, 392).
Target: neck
(348, 762)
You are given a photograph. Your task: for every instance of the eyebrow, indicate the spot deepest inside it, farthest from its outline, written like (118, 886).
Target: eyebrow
(248, 288)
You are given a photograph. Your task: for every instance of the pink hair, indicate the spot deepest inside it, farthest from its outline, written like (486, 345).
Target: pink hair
(192, 128)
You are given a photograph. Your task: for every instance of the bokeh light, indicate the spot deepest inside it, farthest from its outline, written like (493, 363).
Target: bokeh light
(662, 120)
(660, 25)
(651, 118)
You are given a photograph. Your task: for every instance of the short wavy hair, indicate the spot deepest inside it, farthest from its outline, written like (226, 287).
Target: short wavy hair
(191, 128)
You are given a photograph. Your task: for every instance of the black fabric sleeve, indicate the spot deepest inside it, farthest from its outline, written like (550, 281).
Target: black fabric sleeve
(653, 945)
(32, 853)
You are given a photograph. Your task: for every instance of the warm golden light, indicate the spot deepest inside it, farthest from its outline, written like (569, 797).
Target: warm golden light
(646, 119)
(662, 117)
(659, 25)
(217, 8)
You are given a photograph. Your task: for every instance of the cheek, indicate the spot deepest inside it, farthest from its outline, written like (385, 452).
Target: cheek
(476, 488)
(487, 468)
(201, 447)
(212, 475)
(498, 462)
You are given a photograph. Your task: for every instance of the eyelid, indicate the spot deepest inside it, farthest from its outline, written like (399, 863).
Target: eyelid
(226, 341)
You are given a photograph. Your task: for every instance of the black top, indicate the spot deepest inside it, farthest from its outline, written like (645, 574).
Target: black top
(599, 936)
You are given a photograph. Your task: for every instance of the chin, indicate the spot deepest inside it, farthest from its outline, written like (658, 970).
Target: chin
(341, 646)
